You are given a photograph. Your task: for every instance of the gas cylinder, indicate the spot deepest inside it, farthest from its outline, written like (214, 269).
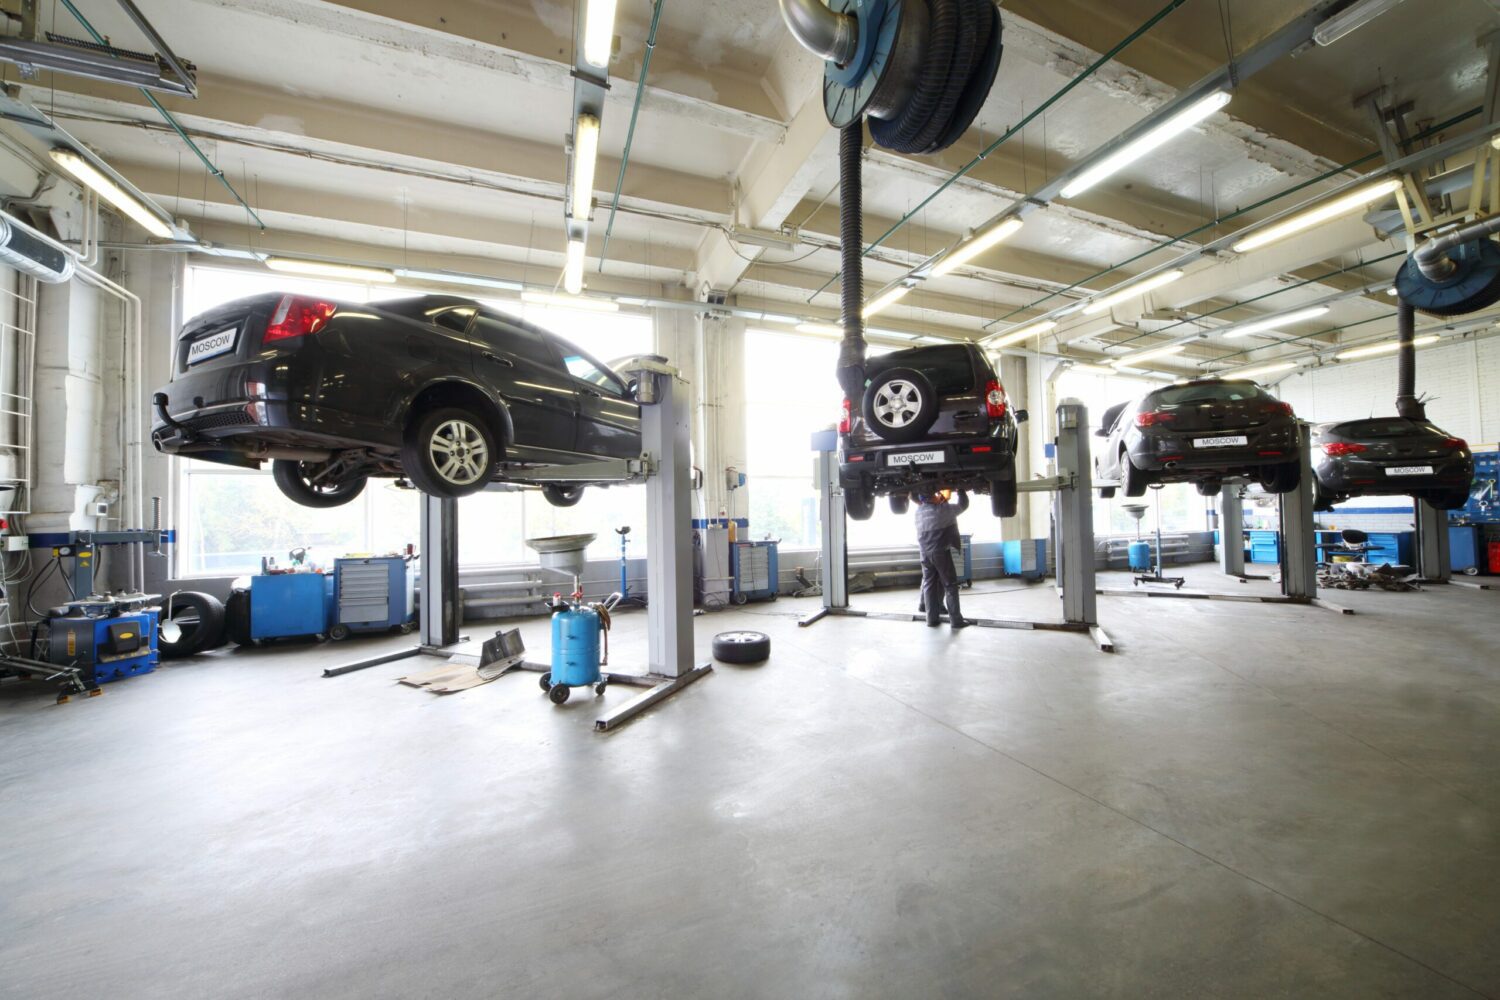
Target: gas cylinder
(575, 646)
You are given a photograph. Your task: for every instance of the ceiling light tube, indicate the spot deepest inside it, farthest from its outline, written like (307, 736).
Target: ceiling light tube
(1274, 322)
(1024, 333)
(886, 299)
(1131, 360)
(443, 277)
(573, 268)
(1350, 19)
(1351, 202)
(327, 269)
(585, 157)
(1386, 348)
(1134, 291)
(1259, 370)
(976, 245)
(820, 329)
(1151, 140)
(111, 192)
(576, 302)
(598, 32)
(1086, 368)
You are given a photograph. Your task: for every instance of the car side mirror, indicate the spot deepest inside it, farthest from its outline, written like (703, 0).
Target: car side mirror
(1102, 432)
(1022, 416)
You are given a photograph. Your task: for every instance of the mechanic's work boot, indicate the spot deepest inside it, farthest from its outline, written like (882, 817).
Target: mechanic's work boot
(961, 623)
(956, 617)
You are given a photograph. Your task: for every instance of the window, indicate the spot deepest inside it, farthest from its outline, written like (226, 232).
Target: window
(1212, 392)
(581, 366)
(230, 518)
(514, 338)
(949, 369)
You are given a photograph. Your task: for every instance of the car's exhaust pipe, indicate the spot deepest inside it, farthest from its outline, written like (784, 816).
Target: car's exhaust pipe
(289, 454)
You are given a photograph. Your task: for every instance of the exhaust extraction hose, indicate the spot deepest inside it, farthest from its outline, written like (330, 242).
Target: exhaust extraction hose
(1407, 403)
(851, 370)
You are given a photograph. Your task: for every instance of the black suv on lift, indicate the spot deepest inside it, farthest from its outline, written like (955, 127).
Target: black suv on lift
(439, 390)
(931, 418)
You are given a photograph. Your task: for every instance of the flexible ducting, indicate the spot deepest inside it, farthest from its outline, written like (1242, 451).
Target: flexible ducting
(820, 31)
(1407, 403)
(1432, 257)
(851, 370)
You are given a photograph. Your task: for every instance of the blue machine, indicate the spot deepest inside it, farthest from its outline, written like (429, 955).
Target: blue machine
(580, 646)
(285, 605)
(371, 594)
(105, 648)
(1140, 556)
(755, 571)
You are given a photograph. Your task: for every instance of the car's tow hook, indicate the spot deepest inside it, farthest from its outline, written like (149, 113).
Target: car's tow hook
(159, 400)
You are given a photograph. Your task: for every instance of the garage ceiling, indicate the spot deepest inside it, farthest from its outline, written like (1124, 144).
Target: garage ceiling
(433, 134)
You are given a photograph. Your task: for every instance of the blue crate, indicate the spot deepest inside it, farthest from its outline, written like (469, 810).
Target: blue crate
(285, 605)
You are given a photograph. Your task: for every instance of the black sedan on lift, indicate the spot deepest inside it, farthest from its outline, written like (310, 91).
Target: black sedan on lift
(1203, 432)
(441, 391)
(1391, 456)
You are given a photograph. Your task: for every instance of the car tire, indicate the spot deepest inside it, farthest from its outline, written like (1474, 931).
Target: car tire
(237, 618)
(900, 405)
(562, 496)
(742, 647)
(201, 617)
(1003, 497)
(1209, 489)
(441, 432)
(1133, 479)
(859, 504)
(292, 480)
(900, 503)
(1284, 478)
(1451, 500)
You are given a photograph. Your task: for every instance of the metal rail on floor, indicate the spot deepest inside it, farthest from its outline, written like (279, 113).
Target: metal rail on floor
(1072, 511)
(666, 469)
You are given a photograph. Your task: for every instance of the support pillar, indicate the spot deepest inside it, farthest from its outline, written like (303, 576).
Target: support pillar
(1434, 560)
(440, 608)
(1232, 531)
(669, 553)
(1299, 550)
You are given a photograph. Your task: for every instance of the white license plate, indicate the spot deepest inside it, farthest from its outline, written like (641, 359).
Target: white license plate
(1409, 470)
(915, 458)
(213, 345)
(1221, 442)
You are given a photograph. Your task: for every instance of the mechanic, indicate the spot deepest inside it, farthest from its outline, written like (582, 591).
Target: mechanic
(937, 537)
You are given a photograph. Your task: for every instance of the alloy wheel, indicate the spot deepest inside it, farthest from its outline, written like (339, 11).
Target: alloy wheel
(897, 403)
(458, 452)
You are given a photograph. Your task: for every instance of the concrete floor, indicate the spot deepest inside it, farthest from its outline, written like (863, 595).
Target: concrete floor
(1244, 801)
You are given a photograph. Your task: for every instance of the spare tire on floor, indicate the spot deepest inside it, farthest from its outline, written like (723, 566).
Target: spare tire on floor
(742, 647)
(201, 618)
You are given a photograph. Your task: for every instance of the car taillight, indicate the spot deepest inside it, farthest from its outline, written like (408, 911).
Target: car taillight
(1153, 417)
(1285, 409)
(846, 418)
(296, 316)
(1455, 443)
(994, 399)
(1337, 448)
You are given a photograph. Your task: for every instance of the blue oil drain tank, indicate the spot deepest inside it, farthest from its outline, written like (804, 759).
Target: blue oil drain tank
(576, 634)
(1140, 556)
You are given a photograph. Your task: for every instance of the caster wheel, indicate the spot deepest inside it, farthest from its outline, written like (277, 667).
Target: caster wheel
(599, 688)
(545, 681)
(559, 693)
(741, 599)
(339, 632)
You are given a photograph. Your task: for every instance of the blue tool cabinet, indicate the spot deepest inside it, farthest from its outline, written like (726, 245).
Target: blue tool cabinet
(755, 569)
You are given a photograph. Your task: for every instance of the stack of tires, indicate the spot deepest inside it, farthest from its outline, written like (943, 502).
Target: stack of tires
(200, 618)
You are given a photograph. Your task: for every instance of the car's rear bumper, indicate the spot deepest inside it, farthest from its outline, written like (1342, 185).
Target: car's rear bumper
(881, 469)
(1370, 478)
(1188, 452)
(235, 408)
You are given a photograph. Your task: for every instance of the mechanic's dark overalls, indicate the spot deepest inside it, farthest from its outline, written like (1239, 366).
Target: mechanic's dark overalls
(937, 537)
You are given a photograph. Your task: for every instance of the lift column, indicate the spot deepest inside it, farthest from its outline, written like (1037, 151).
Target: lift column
(834, 552)
(669, 549)
(1299, 543)
(1434, 560)
(1232, 531)
(1075, 519)
(440, 612)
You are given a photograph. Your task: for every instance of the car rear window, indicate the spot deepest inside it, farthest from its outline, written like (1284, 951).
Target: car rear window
(1388, 427)
(950, 369)
(1207, 392)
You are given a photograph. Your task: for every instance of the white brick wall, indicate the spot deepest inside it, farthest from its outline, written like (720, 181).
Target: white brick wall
(1463, 380)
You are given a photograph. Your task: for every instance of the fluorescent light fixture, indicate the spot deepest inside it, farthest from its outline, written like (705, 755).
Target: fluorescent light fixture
(1274, 322)
(1089, 369)
(1154, 139)
(573, 268)
(897, 334)
(1351, 19)
(442, 277)
(111, 192)
(1259, 370)
(1495, 142)
(1131, 360)
(1024, 333)
(577, 302)
(779, 318)
(1387, 348)
(820, 329)
(1351, 202)
(934, 340)
(585, 157)
(1392, 291)
(325, 269)
(598, 32)
(976, 245)
(886, 299)
(1134, 291)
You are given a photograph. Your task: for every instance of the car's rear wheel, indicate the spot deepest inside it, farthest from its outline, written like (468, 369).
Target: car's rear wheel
(306, 484)
(562, 496)
(1284, 478)
(900, 503)
(449, 452)
(859, 503)
(1003, 497)
(1133, 479)
(1209, 489)
(900, 405)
